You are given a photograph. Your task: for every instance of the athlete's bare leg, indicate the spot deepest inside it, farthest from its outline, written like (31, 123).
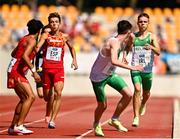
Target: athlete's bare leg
(123, 103)
(40, 92)
(146, 95)
(27, 100)
(17, 109)
(58, 87)
(137, 99)
(101, 107)
(48, 97)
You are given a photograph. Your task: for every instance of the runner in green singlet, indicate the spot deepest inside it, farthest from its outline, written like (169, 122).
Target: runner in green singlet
(145, 46)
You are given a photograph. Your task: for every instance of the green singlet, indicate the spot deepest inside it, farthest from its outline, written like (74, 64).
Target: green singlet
(144, 78)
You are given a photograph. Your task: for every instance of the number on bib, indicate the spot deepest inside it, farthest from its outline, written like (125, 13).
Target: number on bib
(54, 53)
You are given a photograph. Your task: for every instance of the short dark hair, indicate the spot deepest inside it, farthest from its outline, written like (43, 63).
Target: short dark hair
(45, 27)
(143, 15)
(34, 26)
(55, 14)
(123, 26)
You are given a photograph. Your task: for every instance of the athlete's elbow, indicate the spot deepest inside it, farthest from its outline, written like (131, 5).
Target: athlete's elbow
(114, 62)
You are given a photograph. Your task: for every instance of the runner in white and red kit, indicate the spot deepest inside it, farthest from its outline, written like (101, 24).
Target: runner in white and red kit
(22, 56)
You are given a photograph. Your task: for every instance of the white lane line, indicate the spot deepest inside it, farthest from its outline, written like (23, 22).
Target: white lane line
(60, 114)
(105, 122)
(89, 131)
(176, 119)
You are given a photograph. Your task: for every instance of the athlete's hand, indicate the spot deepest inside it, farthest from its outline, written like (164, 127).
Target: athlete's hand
(147, 47)
(36, 76)
(139, 68)
(74, 65)
(124, 60)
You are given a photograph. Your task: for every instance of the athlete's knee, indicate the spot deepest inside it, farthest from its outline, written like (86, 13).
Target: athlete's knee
(146, 93)
(57, 95)
(137, 88)
(102, 105)
(31, 98)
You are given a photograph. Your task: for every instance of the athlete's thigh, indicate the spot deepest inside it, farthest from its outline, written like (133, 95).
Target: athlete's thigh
(58, 87)
(116, 82)
(147, 81)
(47, 79)
(58, 75)
(98, 88)
(20, 82)
(24, 89)
(136, 80)
(136, 77)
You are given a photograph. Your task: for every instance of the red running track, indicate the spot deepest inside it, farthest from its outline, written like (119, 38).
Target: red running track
(76, 117)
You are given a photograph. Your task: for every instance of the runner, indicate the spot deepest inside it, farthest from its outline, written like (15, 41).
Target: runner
(38, 64)
(53, 67)
(145, 46)
(102, 73)
(22, 56)
(39, 69)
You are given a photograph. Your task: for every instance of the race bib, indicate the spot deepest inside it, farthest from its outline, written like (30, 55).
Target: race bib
(141, 56)
(54, 53)
(11, 64)
(109, 69)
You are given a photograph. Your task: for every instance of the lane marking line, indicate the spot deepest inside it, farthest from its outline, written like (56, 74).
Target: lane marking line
(60, 114)
(105, 122)
(176, 119)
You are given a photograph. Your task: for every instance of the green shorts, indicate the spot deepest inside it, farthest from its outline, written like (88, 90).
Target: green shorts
(114, 81)
(143, 78)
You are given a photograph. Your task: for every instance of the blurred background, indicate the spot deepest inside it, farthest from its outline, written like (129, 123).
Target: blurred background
(89, 23)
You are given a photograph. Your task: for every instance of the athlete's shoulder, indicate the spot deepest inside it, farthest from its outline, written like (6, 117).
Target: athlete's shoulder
(152, 35)
(65, 36)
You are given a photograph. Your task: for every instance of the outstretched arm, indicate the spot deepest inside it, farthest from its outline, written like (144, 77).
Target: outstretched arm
(114, 45)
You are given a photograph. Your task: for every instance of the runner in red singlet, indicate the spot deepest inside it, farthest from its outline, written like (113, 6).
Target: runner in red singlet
(53, 67)
(22, 56)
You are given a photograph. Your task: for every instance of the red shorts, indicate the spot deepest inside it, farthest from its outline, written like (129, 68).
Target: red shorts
(14, 78)
(51, 76)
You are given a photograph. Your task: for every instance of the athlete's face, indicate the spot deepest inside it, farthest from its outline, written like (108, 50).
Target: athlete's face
(143, 23)
(54, 24)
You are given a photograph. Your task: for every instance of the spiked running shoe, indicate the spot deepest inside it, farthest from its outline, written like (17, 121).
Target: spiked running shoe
(51, 125)
(135, 122)
(23, 130)
(117, 124)
(142, 110)
(98, 130)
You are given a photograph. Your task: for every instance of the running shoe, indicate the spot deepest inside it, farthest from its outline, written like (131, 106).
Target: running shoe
(98, 130)
(135, 122)
(117, 124)
(142, 110)
(51, 125)
(22, 129)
